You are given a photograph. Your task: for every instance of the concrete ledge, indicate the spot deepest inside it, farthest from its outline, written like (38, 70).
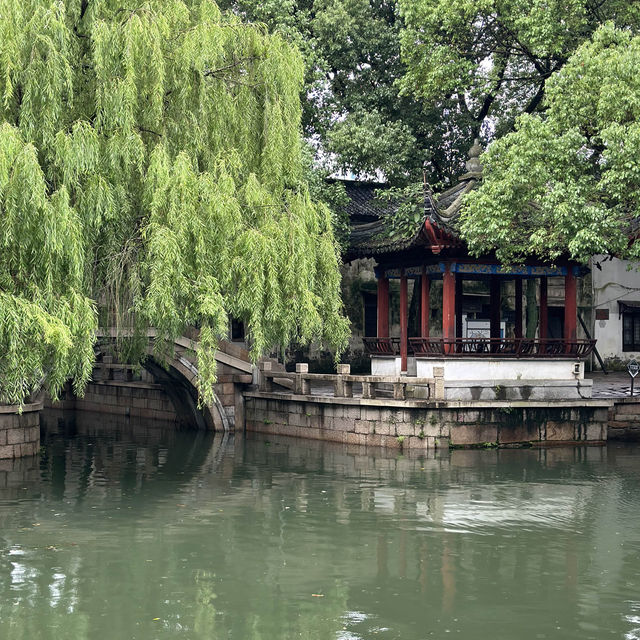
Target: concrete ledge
(25, 408)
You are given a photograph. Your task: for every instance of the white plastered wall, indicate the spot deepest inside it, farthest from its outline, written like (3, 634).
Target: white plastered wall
(490, 369)
(613, 282)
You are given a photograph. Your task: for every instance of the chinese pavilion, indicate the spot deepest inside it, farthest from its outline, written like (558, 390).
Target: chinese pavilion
(434, 251)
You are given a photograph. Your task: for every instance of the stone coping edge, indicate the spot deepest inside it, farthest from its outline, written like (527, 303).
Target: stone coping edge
(132, 384)
(626, 399)
(433, 404)
(457, 358)
(25, 408)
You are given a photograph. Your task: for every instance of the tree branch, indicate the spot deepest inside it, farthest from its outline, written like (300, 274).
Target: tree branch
(155, 133)
(83, 8)
(490, 97)
(536, 100)
(233, 65)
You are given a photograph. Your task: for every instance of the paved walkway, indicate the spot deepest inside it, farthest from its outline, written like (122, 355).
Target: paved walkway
(616, 384)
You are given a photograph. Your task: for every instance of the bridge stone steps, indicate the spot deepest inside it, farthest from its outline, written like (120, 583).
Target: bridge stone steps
(227, 353)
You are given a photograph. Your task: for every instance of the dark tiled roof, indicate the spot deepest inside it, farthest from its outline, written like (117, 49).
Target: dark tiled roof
(370, 239)
(363, 205)
(450, 196)
(448, 204)
(366, 216)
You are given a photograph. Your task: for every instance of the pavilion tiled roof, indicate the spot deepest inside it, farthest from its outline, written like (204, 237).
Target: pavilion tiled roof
(368, 235)
(363, 205)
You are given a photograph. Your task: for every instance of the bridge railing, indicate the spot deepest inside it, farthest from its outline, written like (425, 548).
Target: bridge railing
(340, 384)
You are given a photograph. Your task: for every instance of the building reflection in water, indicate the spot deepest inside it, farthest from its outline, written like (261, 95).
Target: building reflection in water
(119, 530)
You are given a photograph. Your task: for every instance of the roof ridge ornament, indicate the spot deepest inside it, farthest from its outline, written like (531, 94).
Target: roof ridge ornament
(473, 165)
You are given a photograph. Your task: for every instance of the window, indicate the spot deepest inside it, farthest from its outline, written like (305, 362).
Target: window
(631, 330)
(237, 330)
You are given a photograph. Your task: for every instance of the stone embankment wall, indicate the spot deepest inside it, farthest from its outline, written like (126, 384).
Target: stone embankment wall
(624, 419)
(135, 399)
(422, 425)
(19, 430)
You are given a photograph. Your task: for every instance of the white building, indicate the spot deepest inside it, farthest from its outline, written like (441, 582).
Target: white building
(616, 304)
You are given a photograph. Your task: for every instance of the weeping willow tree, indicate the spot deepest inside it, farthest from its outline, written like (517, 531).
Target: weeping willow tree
(151, 175)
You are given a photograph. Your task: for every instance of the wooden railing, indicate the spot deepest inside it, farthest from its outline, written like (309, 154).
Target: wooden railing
(482, 347)
(502, 347)
(340, 385)
(385, 346)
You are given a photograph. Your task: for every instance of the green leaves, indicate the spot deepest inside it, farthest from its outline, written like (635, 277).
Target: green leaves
(46, 323)
(567, 181)
(495, 57)
(150, 160)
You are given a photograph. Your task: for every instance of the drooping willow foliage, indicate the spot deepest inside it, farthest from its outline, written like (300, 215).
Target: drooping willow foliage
(151, 175)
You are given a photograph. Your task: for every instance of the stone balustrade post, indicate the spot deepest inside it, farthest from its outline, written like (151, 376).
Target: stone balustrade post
(343, 388)
(438, 375)
(302, 386)
(368, 390)
(107, 369)
(266, 382)
(399, 390)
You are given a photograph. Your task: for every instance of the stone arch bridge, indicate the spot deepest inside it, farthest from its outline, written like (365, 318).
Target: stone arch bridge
(163, 387)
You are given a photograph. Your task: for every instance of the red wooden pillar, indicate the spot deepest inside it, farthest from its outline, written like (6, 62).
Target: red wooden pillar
(544, 313)
(518, 325)
(494, 311)
(570, 307)
(404, 323)
(458, 310)
(448, 306)
(383, 307)
(425, 285)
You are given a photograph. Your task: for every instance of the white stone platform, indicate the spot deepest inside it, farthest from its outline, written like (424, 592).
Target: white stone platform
(474, 378)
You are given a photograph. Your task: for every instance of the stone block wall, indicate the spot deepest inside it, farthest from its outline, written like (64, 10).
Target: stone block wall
(136, 399)
(19, 431)
(624, 419)
(507, 426)
(116, 391)
(348, 421)
(415, 425)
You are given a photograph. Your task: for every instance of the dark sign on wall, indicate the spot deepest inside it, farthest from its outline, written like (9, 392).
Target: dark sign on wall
(602, 314)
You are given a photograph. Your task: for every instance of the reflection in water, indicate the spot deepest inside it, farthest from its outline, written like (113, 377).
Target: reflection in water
(126, 530)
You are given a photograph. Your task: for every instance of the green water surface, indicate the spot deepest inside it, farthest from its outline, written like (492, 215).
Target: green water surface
(118, 532)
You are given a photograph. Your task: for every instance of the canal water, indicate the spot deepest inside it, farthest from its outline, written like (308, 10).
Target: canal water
(138, 532)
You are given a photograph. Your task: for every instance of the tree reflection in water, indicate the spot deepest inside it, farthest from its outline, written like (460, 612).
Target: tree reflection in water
(122, 531)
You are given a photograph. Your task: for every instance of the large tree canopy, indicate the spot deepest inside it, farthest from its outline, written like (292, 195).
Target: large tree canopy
(493, 58)
(354, 110)
(150, 160)
(568, 181)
